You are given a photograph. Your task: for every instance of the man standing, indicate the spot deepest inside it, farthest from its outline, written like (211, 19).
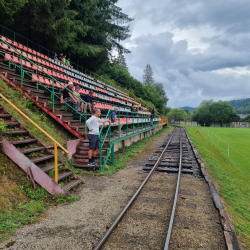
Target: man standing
(88, 99)
(94, 143)
(68, 97)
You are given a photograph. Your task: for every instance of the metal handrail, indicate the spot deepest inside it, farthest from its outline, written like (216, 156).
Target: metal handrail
(145, 120)
(56, 143)
(53, 81)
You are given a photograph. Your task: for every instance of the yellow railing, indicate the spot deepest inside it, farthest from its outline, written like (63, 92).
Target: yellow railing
(163, 120)
(44, 132)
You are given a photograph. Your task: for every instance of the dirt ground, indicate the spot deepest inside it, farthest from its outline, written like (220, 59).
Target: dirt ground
(80, 225)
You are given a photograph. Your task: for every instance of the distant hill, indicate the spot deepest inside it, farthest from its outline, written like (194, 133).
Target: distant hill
(241, 106)
(189, 108)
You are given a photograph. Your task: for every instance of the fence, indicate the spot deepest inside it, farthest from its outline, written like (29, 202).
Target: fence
(228, 125)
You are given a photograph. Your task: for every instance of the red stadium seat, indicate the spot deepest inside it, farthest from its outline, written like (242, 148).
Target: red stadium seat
(20, 46)
(39, 60)
(34, 78)
(29, 56)
(25, 48)
(41, 79)
(29, 50)
(26, 64)
(15, 44)
(48, 82)
(34, 52)
(41, 55)
(38, 54)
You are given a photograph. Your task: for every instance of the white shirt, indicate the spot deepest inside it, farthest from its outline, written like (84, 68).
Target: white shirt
(93, 123)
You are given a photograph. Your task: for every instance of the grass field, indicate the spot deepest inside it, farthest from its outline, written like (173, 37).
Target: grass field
(231, 174)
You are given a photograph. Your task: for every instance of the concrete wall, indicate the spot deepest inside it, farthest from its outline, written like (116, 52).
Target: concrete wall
(129, 141)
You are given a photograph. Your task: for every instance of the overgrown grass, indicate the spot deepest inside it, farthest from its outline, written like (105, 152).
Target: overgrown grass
(230, 173)
(123, 155)
(30, 208)
(36, 114)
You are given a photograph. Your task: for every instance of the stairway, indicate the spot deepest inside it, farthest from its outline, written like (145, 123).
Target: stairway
(81, 159)
(34, 158)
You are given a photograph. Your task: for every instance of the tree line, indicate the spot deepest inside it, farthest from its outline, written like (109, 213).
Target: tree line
(207, 113)
(89, 32)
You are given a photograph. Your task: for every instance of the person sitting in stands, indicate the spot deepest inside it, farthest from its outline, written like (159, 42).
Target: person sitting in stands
(114, 116)
(68, 97)
(134, 110)
(88, 99)
(60, 57)
(64, 60)
(68, 63)
(76, 92)
(114, 119)
(55, 56)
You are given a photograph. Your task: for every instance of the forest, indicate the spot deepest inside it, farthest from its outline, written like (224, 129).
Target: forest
(90, 32)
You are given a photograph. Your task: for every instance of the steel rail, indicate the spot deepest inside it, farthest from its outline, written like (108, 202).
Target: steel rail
(112, 227)
(170, 226)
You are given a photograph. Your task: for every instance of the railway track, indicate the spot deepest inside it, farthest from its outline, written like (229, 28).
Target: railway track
(156, 205)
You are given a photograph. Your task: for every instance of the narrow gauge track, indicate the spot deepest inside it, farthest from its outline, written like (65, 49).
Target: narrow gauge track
(155, 201)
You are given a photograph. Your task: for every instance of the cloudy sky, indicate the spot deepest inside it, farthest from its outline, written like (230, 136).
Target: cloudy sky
(198, 49)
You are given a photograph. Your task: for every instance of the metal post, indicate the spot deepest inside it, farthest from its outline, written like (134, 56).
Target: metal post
(119, 122)
(138, 123)
(53, 96)
(56, 163)
(21, 71)
(109, 128)
(86, 117)
(112, 154)
(126, 123)
(101, 156)
(133, 124)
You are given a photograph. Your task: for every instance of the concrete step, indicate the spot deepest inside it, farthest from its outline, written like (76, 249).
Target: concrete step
(30, 150)
(24, 141)
(71, 184)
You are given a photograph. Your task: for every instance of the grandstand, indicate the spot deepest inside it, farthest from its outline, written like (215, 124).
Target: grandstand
(42, 79)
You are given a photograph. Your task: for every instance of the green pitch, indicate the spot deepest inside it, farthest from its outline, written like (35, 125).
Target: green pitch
(226, 153)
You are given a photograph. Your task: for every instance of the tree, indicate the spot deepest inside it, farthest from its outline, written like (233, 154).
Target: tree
(9, 7)
(215, 112)
(246, 119)
(177, 114)
(222, 112)
(161, 92)
(87, 30)
(120, 60)
(148, 75)
(203, 113)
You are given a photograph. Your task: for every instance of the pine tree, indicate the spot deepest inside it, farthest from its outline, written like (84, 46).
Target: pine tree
(148, 75)
(120, 60)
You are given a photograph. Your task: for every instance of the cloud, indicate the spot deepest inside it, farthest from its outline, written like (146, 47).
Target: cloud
(197, 49)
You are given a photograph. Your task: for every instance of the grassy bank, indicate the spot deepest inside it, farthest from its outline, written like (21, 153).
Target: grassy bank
(36, 114)
(124, 154)
(230, 171)
(20, 204)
